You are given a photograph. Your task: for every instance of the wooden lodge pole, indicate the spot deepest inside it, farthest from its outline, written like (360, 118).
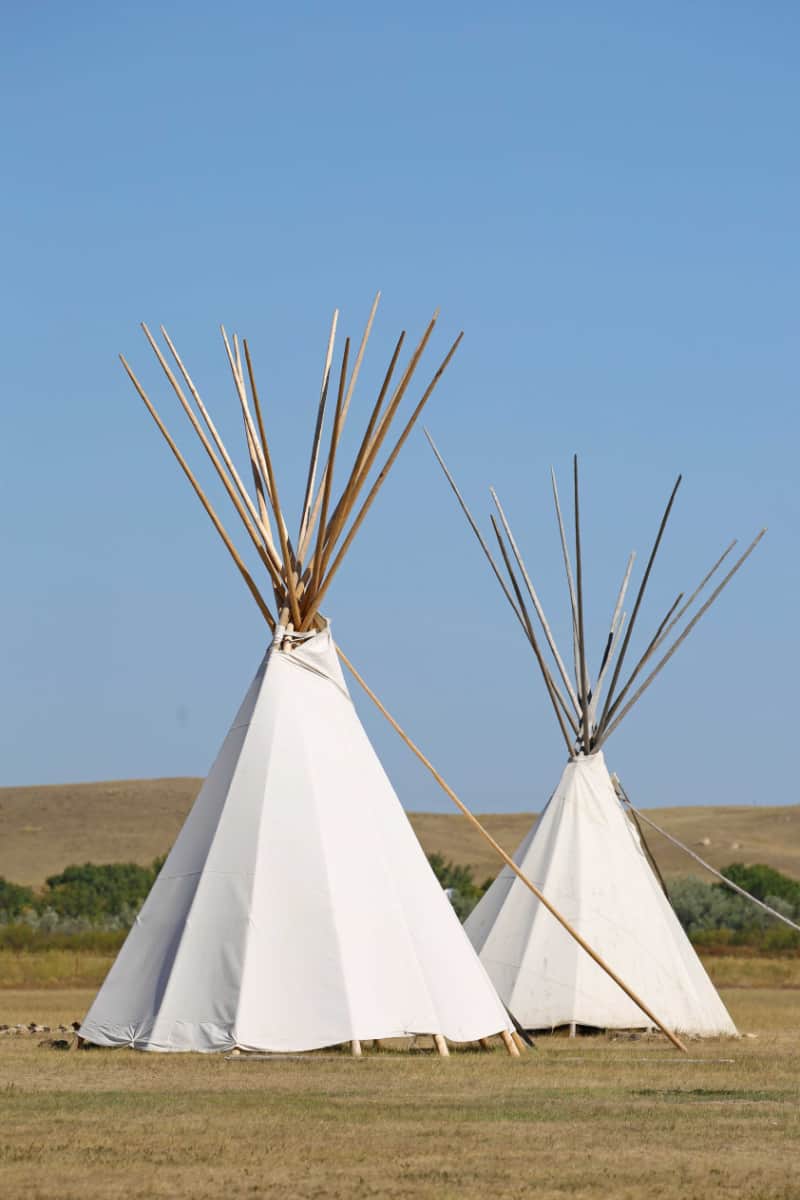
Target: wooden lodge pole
(220, 528)
(507, 859)
(583, 681)
(288, 564)
(315, 444)
(379, 482)
(473, 524)
(224, 453)
(326, 483)
(509, 1043)
(602, 723)
(536, 603)
(355, 482)
(552, 690)
(607, 729)
(568, 569)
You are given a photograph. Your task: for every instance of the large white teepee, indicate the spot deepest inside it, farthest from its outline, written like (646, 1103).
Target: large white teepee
(296, 909)
(586, 853)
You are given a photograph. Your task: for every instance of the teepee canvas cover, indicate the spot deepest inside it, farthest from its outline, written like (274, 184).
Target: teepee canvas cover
(296, 909)
(585, 854)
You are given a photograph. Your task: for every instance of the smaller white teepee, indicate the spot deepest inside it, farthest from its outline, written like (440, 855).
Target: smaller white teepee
(584, 855)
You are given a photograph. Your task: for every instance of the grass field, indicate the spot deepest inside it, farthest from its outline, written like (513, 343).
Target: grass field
(590, 1117)
(43, 829)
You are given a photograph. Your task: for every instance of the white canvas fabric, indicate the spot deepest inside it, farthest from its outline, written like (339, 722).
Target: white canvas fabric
(296, 909)
(586, 858)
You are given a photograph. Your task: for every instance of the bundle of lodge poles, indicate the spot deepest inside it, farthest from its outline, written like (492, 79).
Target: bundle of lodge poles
(576, 708)
(301, 571)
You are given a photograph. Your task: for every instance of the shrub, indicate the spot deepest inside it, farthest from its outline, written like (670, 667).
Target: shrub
(14, 898)
(464, 891)
(98, 892)
(714, 916)
(765, 883)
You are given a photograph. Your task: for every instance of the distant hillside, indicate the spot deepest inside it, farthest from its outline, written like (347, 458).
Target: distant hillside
(42, 829)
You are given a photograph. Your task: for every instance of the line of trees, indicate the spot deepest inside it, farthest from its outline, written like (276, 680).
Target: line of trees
(107, 897)
(100, 896)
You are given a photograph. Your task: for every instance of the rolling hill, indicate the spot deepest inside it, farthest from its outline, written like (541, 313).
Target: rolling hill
(43, 829)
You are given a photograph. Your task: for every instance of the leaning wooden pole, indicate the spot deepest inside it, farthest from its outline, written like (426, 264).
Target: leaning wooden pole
(473, 524)
(601, 724)
(536, 602)
(507, 859)
(570, 580)
(553, 692)
(315, 444)
(607, 730)
(381, 479)
(220, 528)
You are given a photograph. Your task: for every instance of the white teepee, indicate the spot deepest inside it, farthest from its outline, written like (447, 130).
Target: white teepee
(587, 858)
(585, 854)
(296, 909)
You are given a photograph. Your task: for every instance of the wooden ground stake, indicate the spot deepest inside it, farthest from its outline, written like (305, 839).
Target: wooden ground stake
(509, 1044)
(518, 1042)
(355, 1048)
(507, 859)
(441, 1046)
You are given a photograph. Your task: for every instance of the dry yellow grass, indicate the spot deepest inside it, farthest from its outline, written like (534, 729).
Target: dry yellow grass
(42, 829)
(59, 969)
(588, 1118)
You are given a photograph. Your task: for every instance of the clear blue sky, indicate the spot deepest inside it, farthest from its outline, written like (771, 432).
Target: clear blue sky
(605, 197)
